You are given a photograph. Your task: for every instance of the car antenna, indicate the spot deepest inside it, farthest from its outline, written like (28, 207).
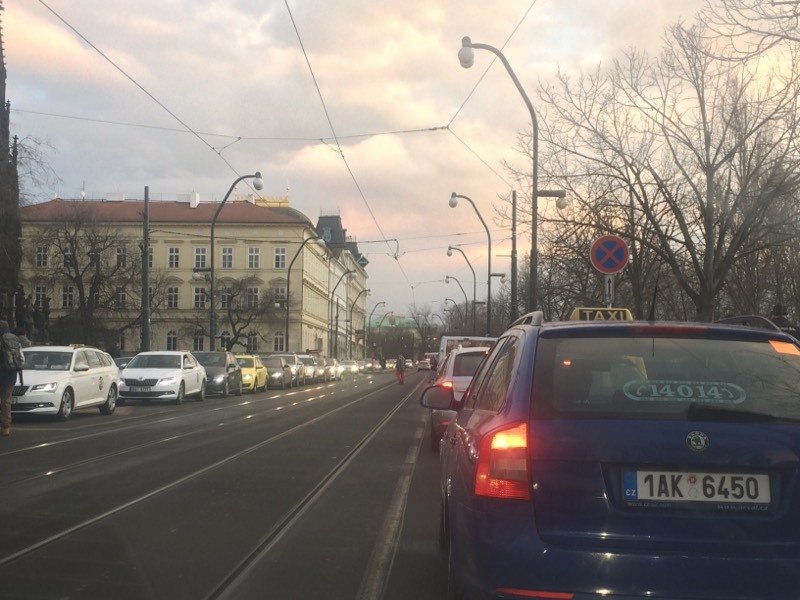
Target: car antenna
(651, 316)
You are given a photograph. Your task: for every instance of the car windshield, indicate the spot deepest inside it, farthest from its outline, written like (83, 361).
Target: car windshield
(665, 378)
(47, 360)
(307, 360)
(155, 361)
(211, 359)
(245, 362)
(272, 361)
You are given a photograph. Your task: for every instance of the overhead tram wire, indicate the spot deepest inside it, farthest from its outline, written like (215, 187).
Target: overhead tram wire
(478, 156)
(336, 138)
(141, 87)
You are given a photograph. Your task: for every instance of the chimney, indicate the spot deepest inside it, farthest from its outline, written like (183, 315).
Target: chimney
(194, 199)
(251, 198)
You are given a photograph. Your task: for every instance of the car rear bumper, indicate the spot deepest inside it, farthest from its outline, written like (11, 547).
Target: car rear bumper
(504, 552)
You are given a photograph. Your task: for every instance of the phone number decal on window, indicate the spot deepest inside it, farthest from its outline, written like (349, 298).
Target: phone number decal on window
(708, 392)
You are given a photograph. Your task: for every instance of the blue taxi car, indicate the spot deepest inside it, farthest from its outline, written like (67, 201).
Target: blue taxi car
(625, 460)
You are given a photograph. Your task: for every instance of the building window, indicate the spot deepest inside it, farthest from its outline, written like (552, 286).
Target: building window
(199, 297)
(225, 339)
(121, 342)
(225, 300)
(120, 298)
(197, 343)
(200, 258)
(150, 257)
(172, 340)
(67, 296)
(227, 257)
(252, 342)
(68, 257)
(172, 297)
(40, 293)
(280, 258)
(254, 258)
(41, 256)
(122, 257)
(277, 342)
(251, 299)
(174, 258)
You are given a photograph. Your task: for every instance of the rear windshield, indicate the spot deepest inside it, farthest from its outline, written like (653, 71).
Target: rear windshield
(247, 363)
(673, 378)
(306, 360)
(155, 361)
(466, 364)
(272, 362)
(211, 359)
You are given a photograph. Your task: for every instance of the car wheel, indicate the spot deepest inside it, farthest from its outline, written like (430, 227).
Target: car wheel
(67, 404)
(111, 402)
(201, 395)
(226, 391)
(239, 389)
(283, 384)
(179, 397)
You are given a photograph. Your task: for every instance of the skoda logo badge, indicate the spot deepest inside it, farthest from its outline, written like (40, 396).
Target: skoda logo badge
(697, 441)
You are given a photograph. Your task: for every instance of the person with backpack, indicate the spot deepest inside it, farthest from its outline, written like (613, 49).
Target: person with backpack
(11, 361)
(400, 369)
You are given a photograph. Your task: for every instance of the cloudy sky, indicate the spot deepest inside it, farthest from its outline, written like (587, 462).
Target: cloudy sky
(235, 69)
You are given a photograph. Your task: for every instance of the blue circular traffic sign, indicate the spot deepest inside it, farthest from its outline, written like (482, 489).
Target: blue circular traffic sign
(609, 254)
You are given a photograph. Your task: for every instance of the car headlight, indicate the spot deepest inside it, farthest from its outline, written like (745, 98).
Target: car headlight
(247, 376)
(44, 387)
(168, 380)
(219, 378)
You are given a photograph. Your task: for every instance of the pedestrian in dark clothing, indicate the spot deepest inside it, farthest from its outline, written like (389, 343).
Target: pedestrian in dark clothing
(11, 360)
(23, 339)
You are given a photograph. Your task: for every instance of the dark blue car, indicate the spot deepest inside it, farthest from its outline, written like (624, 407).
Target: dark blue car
(627, 460)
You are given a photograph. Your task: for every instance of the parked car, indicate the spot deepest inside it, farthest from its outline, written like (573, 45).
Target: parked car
(322, 369)
(456, 374)
(297, 366)
(310, 364)
(60, 379)
(254, 373)
(333, 371)
(424, 365)
(223, 373)
(163, 375)
(279, 373)
(589, 457)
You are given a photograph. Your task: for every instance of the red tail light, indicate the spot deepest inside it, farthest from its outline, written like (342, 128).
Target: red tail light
(502, 469)
(447, 384)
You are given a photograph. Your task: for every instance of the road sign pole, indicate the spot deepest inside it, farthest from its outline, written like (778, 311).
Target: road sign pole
(609, 291)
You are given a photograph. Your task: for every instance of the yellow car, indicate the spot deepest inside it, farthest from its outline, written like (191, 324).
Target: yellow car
(254, 373)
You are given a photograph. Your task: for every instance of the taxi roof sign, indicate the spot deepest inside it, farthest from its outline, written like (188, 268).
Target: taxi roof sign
(601, 314)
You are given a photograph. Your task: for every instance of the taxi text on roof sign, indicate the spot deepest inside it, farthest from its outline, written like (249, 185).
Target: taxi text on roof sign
(601, 314)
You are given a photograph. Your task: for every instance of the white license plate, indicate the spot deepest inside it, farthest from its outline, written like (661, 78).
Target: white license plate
(685, 486)
(141, 389)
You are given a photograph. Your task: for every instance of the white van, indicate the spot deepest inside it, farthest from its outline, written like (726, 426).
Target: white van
(450, 342)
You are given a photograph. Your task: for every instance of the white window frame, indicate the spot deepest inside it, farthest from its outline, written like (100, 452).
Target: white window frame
(227, 253)
(68, 296)
(280, 257)
(174, 257)
(200, 294)
(278, 342)
(172, 341)
(42, 256)
(200, 257)
(173, 297)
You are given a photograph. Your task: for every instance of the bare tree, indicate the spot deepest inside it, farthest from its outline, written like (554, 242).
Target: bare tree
(35, 173)
(754, 26)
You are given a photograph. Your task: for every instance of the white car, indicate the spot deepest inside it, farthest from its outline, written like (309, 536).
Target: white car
(166, 375)
(59, 379)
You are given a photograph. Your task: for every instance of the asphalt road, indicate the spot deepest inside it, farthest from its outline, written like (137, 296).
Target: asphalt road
(324, 491)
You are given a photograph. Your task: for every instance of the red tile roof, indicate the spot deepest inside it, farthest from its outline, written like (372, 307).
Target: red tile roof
(130, 211)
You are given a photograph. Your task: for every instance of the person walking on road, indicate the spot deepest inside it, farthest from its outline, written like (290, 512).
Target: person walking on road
(400, 369)
(11, 360)
(23, 339)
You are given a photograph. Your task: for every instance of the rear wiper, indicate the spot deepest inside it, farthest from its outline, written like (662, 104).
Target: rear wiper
(705, 412)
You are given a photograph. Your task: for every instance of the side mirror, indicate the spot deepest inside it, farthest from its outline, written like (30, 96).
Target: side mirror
(80, 367)
(438, 397)
(187, 367)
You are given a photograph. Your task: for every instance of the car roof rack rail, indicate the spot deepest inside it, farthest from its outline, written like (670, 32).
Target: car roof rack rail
(535, 317)
(756, 321)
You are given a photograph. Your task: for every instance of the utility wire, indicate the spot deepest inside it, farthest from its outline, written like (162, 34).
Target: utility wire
(235, 138)
(333, 131)
(494, 59)
(478, 156)
(141, 87)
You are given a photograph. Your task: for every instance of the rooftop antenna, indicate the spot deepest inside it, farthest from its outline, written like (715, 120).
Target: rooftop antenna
(83, 190)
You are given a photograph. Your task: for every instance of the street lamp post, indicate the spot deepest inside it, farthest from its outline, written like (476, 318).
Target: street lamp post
(438, 316)
(258, 183)
(474, 281)
(369, 322)
(350, 324)
(288, 277)
(458, 308)
(330, 311)
(466, 57)
(453, 203)
(466, 300)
